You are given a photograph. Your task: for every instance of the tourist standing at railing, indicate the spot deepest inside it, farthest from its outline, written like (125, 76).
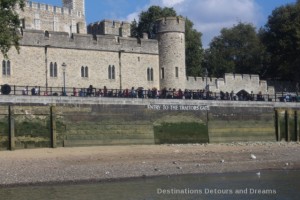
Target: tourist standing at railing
(74, 92)
(105, 91)
(25, 91)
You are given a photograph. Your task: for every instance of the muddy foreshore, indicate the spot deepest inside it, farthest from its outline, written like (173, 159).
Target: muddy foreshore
(107, 163)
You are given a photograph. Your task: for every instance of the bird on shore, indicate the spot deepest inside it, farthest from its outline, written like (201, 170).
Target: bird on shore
(253, 156)
(258, 174)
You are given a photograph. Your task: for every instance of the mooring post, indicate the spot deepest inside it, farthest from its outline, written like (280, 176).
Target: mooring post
(53, 126)
(297, 129)
(277, 124)
(11, 128)
(287, 126)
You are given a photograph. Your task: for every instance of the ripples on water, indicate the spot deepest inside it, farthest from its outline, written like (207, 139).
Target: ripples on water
(277, 184)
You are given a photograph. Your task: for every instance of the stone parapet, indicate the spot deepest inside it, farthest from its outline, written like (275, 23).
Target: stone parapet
(53, 39)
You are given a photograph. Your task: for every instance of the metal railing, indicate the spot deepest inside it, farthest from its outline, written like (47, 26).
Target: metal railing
(154, 93)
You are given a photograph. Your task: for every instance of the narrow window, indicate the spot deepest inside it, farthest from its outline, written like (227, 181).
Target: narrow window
(55, 70)
(82, 71)
(3, 67)
(8, 68)
(51, 70)
(162, 73)
(113, 72)
(109, 72)
(176, 72)
(148, 74)
(86, 72)
(151, 75)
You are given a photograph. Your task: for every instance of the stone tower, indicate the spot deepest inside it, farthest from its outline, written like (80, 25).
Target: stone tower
(171, 44)
(76, 5)
(78, 24)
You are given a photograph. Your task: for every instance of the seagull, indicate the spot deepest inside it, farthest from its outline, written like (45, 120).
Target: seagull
(253, 156)
(258, 174)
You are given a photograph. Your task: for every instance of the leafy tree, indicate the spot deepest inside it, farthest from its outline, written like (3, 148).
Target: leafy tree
(194, 51)
(9, 24)
(193, 48)
(236, 50)
(281, 36)
(147, 19)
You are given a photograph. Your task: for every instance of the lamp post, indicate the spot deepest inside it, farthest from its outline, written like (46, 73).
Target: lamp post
(64, 66)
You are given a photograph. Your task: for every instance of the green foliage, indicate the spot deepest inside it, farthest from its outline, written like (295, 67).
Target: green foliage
(281, 36)
(9, 24)
(147, 20)
(236, 50)
(194, 51)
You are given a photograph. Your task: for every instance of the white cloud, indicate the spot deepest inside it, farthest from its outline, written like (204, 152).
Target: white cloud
(210, 16)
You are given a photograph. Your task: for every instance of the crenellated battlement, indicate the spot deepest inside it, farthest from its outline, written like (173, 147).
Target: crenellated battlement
(231, 82)
(110, 27)
(68, 18)
(52, 9)
(171, 24)
(88, 42)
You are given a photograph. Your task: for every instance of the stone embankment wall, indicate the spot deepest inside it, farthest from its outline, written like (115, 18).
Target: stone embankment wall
(73, 121)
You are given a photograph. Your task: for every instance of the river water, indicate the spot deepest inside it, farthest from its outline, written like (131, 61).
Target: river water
(268, 185)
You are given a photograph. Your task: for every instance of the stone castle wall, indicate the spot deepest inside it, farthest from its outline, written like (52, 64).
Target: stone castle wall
(107, 44)
(231, 82)
(44, 17)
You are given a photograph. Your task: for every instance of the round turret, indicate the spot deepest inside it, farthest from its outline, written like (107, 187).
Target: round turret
(171, 40)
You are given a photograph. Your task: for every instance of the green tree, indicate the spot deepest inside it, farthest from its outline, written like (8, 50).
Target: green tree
(147, 19)
(236, 50)
(9, 24)
(281, 37)
(194, 51)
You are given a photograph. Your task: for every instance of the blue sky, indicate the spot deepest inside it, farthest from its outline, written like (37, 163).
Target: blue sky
(209, 16)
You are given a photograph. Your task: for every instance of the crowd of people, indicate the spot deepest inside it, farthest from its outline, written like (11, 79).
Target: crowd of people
(165, 93)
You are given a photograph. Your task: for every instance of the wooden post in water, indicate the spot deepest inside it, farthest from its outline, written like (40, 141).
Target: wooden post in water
(287, 127)
(53, 126)
(277, 124)
(297, 128)
(11, 128)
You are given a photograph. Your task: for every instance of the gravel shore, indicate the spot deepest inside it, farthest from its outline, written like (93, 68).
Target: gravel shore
(71, 165)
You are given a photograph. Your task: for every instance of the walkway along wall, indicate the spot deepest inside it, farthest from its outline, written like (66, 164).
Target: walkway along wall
(31, 122)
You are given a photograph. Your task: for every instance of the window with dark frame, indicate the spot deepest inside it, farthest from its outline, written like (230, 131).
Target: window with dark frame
(111, 72)
(6, 68)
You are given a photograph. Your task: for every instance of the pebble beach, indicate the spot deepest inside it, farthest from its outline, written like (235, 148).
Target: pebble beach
(109, 163)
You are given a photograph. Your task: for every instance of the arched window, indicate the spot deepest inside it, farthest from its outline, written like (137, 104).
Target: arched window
(86, 72)
(6, 69)
(55, 70)
(82, 71)
(151, 75)
(51, 70)
(113, 76)
(148, 74)
(109, 72)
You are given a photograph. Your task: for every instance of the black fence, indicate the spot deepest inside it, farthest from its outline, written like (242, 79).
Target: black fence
(153, 93)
